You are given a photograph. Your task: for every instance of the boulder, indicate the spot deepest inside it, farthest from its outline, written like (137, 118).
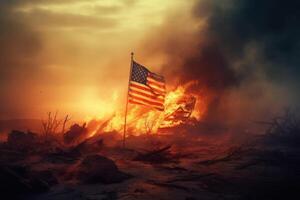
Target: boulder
(99, 169)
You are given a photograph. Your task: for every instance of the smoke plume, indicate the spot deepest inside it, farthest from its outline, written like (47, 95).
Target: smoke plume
(242, 53)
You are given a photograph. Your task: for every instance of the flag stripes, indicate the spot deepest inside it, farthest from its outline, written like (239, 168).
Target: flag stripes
(143, 88)
(147, 95)
(135, 101)
(146, 88)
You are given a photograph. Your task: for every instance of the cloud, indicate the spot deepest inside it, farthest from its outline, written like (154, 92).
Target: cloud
(107, 10)
(46, 19)
(57, 54)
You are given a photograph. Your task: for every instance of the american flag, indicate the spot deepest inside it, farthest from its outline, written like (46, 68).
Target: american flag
(146, 88)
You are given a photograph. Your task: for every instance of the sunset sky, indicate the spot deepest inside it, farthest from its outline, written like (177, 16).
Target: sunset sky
(74, 55)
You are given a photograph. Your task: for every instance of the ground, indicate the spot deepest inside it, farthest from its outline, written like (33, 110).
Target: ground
(193, 168)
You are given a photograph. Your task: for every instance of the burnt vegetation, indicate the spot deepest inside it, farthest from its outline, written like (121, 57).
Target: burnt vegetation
(263, 167)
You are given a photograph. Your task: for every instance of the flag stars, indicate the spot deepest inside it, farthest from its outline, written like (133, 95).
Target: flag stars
(139, 73)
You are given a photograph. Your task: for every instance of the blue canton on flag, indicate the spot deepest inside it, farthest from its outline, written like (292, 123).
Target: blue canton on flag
(139, 73)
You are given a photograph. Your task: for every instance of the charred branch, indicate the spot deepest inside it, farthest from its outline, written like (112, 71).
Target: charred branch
(67, 118)
(51, 124)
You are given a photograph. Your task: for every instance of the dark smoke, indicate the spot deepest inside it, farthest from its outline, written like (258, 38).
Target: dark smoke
(233, 25)
(270, 28)
(246, 57)
(272, 24)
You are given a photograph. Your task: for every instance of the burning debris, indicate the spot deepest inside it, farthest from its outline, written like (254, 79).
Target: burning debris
(187, 165)
(156, 162)
(183, 111)
(180, 108)
(222, 64)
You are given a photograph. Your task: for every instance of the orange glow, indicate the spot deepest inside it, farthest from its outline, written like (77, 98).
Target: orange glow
(145, 120)
(71, 56)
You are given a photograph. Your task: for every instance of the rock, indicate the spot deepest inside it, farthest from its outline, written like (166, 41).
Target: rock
(99, 169)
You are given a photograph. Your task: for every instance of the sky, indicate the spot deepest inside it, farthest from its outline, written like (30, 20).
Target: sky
(74, 55)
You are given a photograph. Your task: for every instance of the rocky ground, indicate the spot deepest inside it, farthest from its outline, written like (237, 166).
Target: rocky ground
(152, 167)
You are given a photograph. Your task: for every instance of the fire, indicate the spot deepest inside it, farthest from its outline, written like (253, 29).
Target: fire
(179, 107)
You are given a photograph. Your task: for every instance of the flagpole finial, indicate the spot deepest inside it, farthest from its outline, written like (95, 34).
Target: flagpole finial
(132, 55)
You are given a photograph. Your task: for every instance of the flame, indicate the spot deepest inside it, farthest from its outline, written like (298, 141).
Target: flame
(146, 120)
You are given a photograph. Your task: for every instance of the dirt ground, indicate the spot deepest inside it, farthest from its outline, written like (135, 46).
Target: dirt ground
(193, 168)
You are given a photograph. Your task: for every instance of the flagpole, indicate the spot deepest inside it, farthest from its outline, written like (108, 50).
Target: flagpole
(125, 120)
